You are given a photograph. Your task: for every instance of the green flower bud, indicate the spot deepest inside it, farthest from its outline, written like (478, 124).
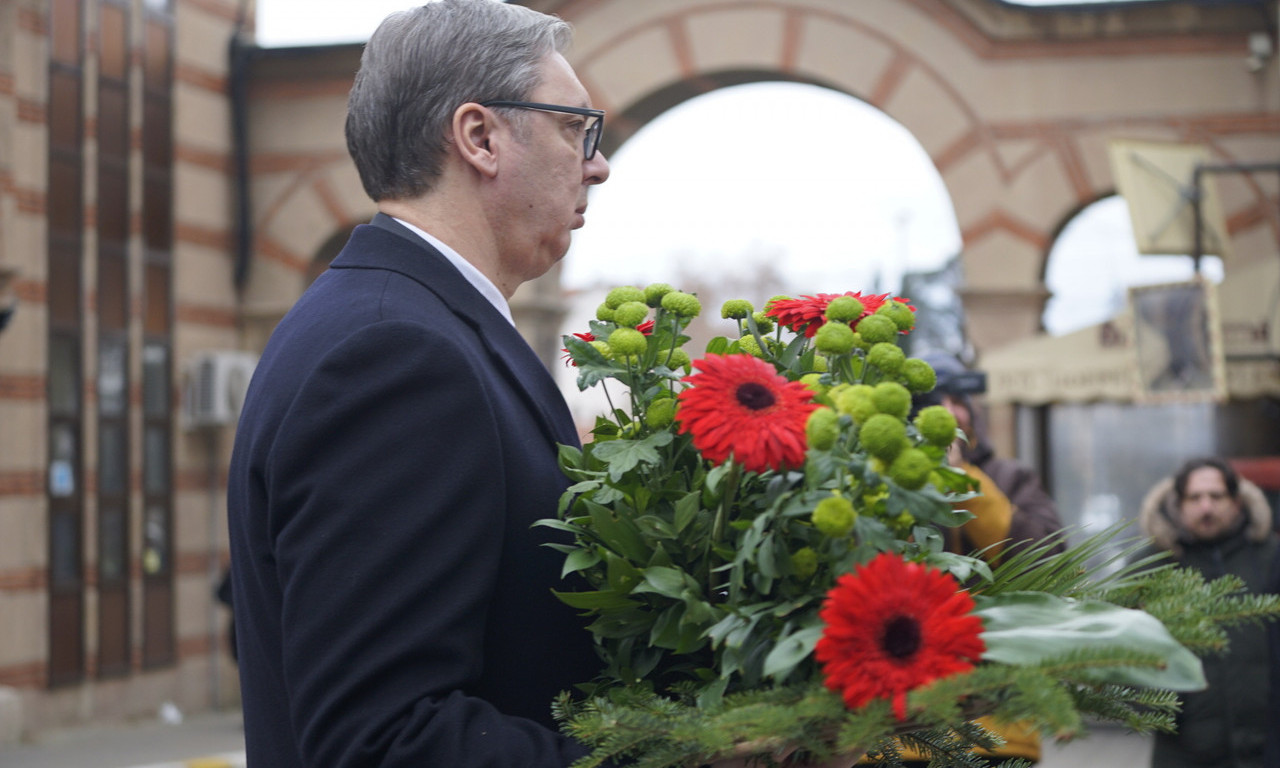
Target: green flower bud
(886, 356)
(883, 436)
(622, 294)
(911, 469)
(602, 347)
(860, 342)
(682, 304)
(889, 397)
(877, 328)
(902, 523)
(820, 364)
(844, 309)
(750, 346)
(834, 339)
(764, 323)
(919, 375)
(856, 401)
(814, 382)
(736, 309)
(661, 413)
(936, 425)
(679, 359)
(627, 342)
(804, 562)
(822, 429)
(630, 313)
(899, 313)
(604, 313)
(653, 293)
(834, 516)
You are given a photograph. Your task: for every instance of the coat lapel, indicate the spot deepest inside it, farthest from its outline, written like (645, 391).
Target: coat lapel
(410, 255)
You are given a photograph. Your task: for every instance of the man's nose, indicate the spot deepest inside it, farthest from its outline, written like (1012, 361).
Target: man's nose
(596, 170)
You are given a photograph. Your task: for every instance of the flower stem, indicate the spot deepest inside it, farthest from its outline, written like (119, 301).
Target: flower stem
(722, 516)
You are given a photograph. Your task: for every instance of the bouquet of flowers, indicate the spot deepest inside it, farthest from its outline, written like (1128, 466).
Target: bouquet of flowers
(759, 538)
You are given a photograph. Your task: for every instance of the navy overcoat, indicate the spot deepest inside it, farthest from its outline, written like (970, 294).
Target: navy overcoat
(392, 603)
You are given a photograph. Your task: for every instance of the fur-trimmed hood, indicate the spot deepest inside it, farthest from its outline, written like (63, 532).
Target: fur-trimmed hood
(1160, 512)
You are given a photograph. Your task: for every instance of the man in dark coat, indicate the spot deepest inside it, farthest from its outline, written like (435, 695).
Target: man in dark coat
(393, 604)
(1211, 520)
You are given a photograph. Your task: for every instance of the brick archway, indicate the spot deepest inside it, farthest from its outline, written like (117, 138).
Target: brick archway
(1014, 106)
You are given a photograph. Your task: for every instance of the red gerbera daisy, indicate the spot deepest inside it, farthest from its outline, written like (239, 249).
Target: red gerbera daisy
(893, 626)
(807, 312)
(739, 406)
(646, 328)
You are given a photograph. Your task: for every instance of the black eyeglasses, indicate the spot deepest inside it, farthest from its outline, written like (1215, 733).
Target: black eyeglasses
(590, 133)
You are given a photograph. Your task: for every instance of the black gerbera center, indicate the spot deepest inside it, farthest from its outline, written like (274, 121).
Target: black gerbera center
(901, 638)
(755, 396)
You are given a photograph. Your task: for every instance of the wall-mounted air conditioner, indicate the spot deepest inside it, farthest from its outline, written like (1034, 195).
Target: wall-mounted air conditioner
(215, 387)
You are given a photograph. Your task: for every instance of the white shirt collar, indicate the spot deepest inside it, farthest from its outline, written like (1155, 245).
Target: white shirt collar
(474, 276)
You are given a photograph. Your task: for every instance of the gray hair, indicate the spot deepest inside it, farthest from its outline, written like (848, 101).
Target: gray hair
(420, 65)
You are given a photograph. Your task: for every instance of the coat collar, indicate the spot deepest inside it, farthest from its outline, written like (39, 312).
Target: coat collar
(386, 244)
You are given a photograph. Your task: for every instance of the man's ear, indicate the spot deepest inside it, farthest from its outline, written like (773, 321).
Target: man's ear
(476, 135)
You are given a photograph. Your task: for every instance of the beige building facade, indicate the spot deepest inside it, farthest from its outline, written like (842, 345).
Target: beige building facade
(165, 196)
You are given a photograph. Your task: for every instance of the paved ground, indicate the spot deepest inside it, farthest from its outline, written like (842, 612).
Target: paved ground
(216, 741)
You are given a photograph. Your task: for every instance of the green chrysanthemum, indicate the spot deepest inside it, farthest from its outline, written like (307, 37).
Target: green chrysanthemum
(631, 313)
(856, 401)
(627, 342)
(899, 313)
(919, 375)
(682, 304)
(834, 339)
(877, 328)
(936, 425)
(736, 309)
(844, 309)
(764, 323)
(661, 413)
(834, 516)
(622, 294)
(804, 562)
(750, 346)
(602, 347)
(604, 313)
(883, 436)
(911, 469)
(679, 359)
(653, 293)
(822, 429)
(892, 398)
(886, 356)
(814, 382)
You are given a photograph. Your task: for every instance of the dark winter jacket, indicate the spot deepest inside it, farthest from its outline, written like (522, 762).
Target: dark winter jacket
(1223, 726)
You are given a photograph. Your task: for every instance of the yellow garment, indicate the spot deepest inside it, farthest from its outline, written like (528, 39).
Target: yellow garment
(992, 515)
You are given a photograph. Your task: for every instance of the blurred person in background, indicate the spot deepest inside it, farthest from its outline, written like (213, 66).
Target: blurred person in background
(1034, 515)
(1210, 519)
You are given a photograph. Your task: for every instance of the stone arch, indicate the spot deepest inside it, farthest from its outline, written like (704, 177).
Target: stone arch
(1015, 107)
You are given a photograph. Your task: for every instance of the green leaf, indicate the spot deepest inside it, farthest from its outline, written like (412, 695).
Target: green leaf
(594, 600)
(790, 652)
(617, 532)
(668, 582)
(579, 560)
(687, 510)
(624, 455)
(1026, 628)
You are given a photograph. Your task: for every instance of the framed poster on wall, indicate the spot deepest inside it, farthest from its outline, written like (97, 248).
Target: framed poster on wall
(1178, 342)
